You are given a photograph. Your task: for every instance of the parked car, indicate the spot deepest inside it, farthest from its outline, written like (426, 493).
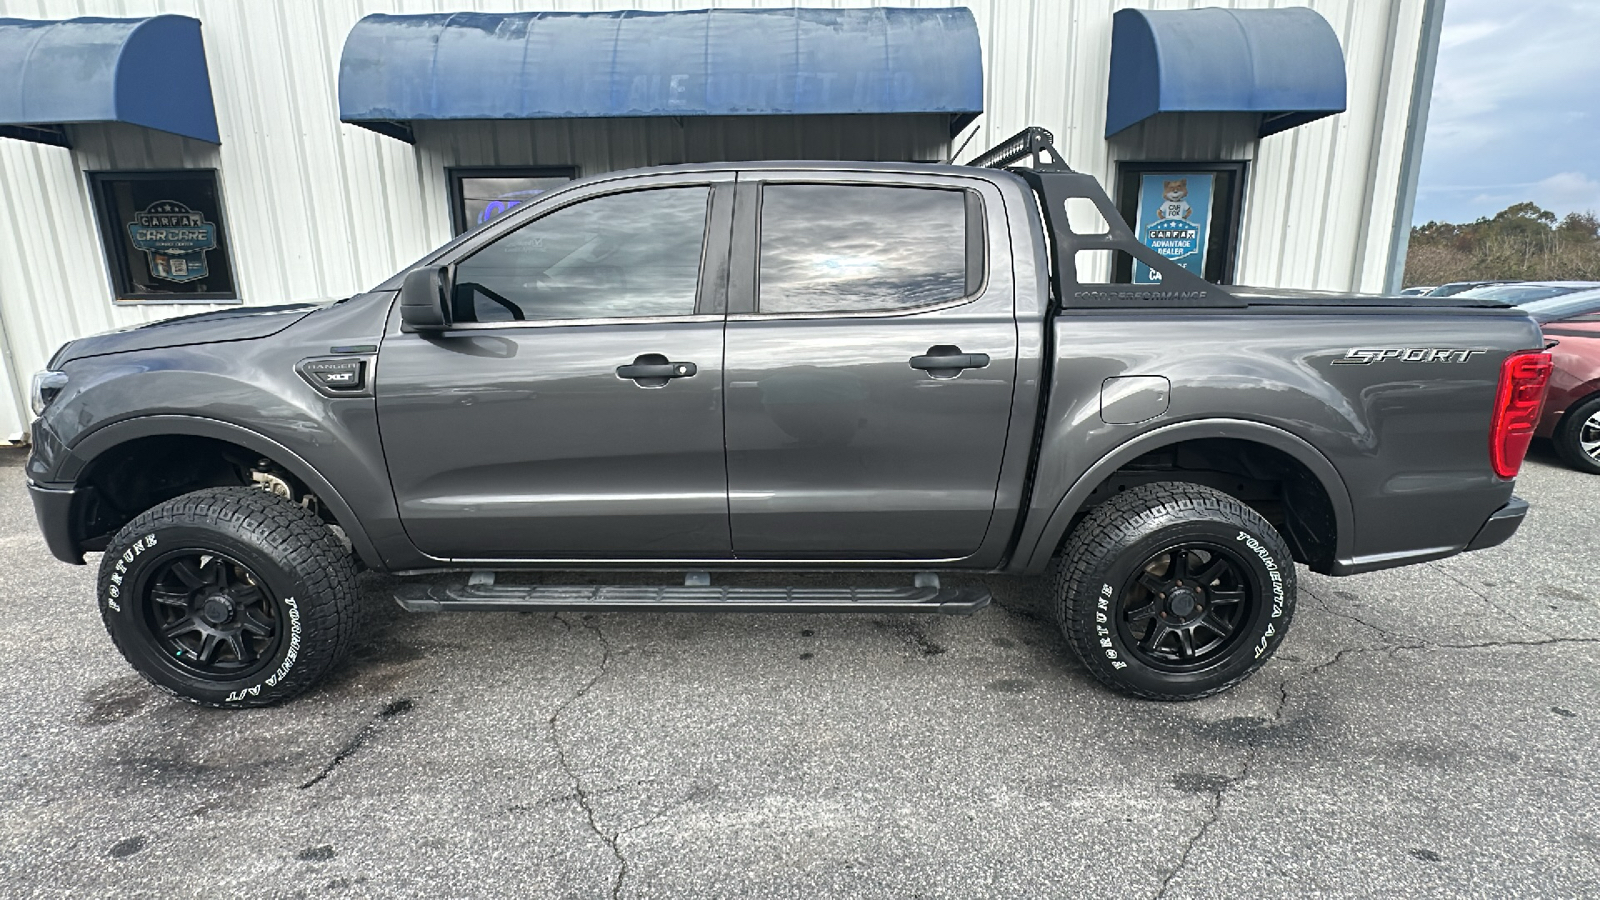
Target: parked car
(1571, 417)
(777, 367)
(1417, 291)
(1519, 293)
(1563, 306)
(1456, 287)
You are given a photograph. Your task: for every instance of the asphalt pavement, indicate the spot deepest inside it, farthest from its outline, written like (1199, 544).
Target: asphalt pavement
(1431, 731)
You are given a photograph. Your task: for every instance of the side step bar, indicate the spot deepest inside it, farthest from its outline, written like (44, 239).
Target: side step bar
(480, 594)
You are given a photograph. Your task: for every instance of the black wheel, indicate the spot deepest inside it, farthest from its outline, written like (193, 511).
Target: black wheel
(1174, 591)
(1577, 438)
(229, 597)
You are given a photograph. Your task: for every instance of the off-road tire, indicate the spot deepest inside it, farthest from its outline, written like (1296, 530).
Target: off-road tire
(1569, 435)
(1098, 577)
(299, 582)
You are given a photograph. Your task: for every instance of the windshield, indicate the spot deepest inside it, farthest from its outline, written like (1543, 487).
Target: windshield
(1554, 308)
(1519, 294)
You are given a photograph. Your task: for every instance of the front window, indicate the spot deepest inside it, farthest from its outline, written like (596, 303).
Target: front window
(615, 256)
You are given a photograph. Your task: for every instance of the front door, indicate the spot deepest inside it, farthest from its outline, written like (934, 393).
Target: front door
(575, 409)
(871, 354)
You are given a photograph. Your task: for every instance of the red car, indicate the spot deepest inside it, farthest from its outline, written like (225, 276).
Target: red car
(1571, 415)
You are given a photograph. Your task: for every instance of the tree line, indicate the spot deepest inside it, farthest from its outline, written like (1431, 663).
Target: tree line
(1520, 243)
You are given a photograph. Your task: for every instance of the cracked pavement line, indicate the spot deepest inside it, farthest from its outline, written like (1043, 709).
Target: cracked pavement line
(1253, 748)
(1252, 751)
(580, 794)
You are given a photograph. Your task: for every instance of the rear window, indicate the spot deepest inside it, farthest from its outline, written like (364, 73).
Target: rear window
(855, 248)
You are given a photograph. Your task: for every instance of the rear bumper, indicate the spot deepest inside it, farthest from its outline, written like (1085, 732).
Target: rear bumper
(1500, 526)
(52, 506)
(1497, 529)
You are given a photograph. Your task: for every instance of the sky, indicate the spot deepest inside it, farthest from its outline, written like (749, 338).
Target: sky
(1516, 110)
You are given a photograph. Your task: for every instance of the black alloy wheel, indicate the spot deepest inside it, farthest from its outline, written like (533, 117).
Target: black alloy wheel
(229, 597)
(1185, 606)
(210, 615)
(1174, 591)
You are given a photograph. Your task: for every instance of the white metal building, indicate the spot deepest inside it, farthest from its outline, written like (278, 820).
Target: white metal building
(315, 198)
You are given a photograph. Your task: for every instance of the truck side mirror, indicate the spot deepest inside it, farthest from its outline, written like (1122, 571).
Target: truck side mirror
(425, 299)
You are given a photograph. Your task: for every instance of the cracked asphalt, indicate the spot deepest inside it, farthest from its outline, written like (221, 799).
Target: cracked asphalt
(1431, 731)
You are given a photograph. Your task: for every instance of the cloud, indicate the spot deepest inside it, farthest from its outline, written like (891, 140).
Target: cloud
(1567, 192)
(1512, 107)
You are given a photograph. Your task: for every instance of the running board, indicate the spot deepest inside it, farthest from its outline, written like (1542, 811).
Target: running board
(482, 595)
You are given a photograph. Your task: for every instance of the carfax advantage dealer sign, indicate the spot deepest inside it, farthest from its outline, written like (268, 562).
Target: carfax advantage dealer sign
(1174, 220)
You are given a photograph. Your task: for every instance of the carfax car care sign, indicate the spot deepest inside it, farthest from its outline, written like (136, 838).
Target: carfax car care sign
(175, 239)
(1174, 220)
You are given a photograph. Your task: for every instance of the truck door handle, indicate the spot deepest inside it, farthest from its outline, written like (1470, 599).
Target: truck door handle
(655, 370)
(946, 361)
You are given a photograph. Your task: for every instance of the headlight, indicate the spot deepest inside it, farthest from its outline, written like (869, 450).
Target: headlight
(47, 386)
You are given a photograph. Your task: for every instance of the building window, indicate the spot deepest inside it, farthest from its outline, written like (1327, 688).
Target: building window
(481, 195)
(1187, 212)
(164, 237)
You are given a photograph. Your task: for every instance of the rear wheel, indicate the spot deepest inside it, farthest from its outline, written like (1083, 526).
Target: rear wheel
(229, 597)
(1173, 591)
(1577, 438)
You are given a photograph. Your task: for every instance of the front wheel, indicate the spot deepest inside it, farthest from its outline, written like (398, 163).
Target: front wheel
(229, 597)
(1174, 591)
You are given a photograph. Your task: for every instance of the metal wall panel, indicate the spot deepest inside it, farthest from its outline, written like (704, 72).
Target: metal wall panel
(319, 210)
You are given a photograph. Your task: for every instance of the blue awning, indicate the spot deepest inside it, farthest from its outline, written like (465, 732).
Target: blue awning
(149, 72)
(1283, 63)
(724, 62)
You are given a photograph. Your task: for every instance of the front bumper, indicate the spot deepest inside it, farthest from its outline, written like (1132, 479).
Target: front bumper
(1500, 526)
(52, 506)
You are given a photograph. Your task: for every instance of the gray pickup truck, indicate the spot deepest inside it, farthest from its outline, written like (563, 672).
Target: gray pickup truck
(709, 369)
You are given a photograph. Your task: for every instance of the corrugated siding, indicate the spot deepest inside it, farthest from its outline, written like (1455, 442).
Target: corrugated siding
(317, 209)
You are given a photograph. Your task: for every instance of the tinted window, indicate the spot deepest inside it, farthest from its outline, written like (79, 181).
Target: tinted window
(634, 254)
(848, 248)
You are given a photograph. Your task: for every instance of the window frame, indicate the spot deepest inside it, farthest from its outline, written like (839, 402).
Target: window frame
(745, 283)
(454, 176)
(711, 282)
(114, 250)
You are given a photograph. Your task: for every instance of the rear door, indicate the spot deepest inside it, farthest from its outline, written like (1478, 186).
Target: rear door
(871, 355)
(575, 411)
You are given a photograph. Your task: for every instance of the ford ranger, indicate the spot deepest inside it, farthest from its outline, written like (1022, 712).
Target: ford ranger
(704, 369)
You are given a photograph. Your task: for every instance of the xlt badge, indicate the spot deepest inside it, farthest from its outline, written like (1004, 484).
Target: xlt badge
(1368, 356)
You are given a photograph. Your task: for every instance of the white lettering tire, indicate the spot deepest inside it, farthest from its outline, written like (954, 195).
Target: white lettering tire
(1174, 591)
(229, 597)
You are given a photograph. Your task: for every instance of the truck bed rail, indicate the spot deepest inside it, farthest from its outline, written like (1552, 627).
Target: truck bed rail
(1056, 184)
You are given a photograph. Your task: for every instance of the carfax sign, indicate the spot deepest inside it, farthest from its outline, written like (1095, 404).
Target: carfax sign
(174, 239)
(1174, 220)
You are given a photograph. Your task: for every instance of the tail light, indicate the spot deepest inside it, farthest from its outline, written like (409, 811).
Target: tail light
(1523, 377)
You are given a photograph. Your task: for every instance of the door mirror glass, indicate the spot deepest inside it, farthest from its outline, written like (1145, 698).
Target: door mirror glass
(425, 299)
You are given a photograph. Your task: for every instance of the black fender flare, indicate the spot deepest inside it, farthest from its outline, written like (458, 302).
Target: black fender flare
(107, 437)
(1037, 556)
